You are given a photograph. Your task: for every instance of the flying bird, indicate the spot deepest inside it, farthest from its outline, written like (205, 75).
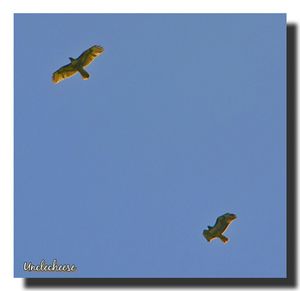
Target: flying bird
(219, 228)
(78, 65)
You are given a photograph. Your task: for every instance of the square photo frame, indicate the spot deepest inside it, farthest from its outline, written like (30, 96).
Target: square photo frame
(154, 149)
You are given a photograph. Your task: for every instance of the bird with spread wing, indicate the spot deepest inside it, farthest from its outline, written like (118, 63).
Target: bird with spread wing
(219, 228)
(78, 65)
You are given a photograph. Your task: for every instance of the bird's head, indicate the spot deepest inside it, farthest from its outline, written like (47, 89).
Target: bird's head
(71, 59)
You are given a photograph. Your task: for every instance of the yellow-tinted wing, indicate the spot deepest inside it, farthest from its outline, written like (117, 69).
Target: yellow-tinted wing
(89, 55)
(64, 72)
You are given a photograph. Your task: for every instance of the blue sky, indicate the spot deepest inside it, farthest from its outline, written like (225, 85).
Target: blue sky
(183, 119)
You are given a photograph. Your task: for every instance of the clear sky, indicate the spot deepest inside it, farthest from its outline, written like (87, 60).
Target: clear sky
(183, 119)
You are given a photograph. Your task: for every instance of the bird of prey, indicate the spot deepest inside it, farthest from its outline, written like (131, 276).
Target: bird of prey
(219, 228)
(78, 65)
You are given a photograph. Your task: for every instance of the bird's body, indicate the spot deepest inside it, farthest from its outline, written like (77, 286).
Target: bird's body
(219, 228)
(78, 65)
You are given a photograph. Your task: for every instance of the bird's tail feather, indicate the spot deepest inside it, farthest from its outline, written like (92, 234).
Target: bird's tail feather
(84, 74)
(224, 238)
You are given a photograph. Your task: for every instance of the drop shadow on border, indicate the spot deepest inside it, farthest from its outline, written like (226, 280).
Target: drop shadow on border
(224, 282)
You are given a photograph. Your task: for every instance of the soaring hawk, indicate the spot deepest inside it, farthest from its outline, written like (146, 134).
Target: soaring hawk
(78, 65)
(219, 228)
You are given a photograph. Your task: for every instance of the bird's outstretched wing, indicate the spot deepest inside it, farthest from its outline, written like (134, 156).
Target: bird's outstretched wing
(64, 72)
(89, 55)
